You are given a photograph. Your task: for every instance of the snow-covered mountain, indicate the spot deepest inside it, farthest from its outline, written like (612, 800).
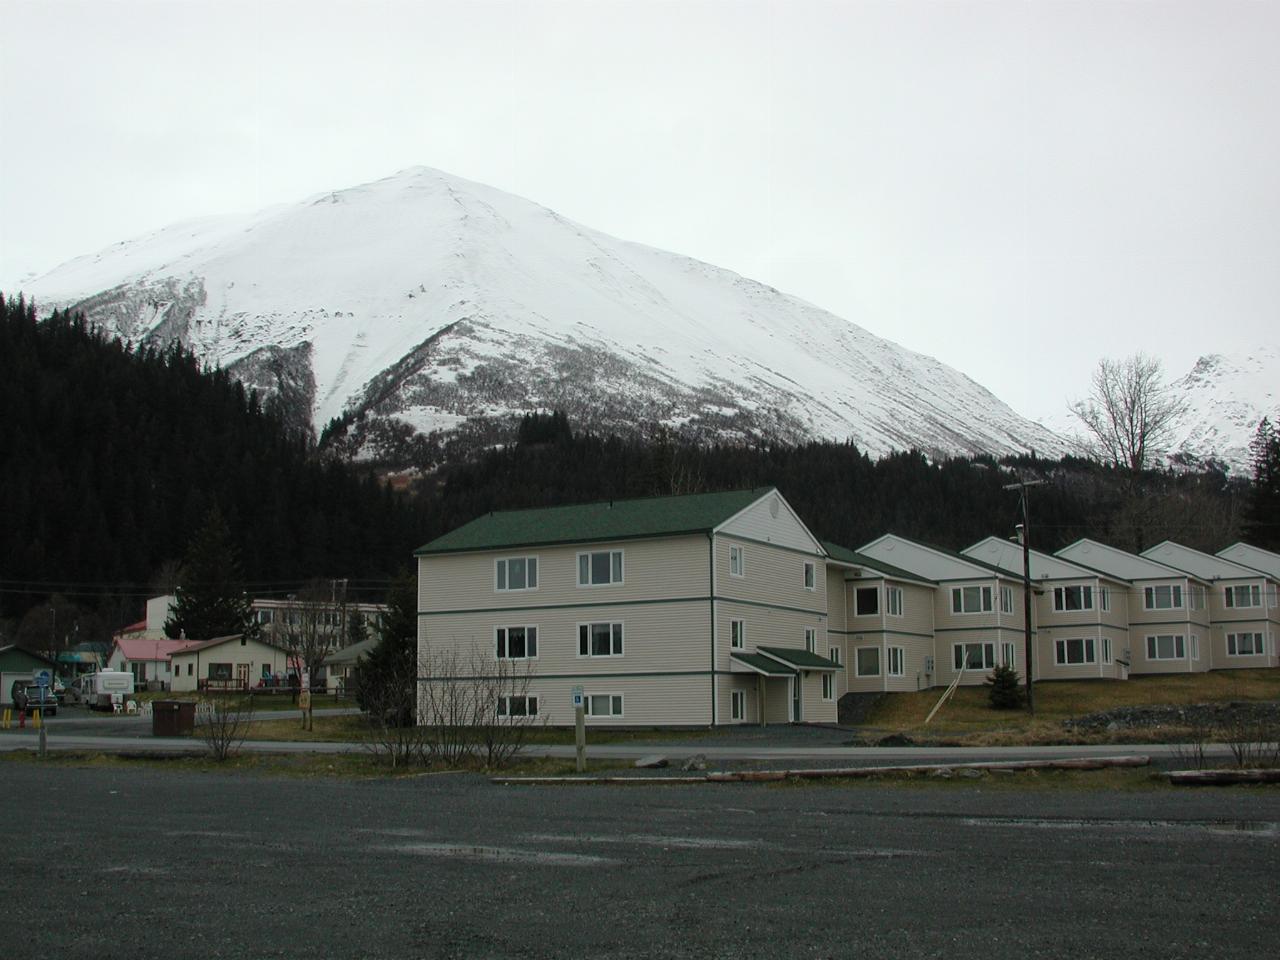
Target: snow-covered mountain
(423, 300)
(1226, 396)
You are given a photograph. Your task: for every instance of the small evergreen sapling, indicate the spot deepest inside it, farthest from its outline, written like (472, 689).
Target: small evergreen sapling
(1004, 689)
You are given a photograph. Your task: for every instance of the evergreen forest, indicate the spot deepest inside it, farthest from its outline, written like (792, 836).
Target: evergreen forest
(113, 458)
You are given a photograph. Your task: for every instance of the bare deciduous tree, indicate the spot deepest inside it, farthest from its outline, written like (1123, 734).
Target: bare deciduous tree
(1130, 411)
(307, 626)
(225, 724)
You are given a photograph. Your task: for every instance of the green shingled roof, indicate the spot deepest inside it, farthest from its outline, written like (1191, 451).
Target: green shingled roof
(762, 664)
(607, 520)
(845, 555)
(801, 659)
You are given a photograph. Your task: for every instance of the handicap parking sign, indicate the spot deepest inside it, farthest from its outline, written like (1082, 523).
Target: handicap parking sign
(43, 678)
(577, 697)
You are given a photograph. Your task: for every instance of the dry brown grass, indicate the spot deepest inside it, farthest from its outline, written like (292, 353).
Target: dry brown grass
(968, 717)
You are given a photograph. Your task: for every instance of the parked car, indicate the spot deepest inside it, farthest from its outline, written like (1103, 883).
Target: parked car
(42, 699)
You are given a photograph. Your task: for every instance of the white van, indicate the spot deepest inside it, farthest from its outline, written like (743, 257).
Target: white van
(98, 691)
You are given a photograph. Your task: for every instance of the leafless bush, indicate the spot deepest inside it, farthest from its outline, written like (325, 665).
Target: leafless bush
(468, 706)
(1254, 740)
(393, 734)
(1191, 753)
(226, 724)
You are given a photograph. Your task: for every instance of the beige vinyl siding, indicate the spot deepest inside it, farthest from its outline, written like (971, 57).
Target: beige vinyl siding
(661, 568)
(772, 576)
(666, 701)
(777, 699)
(1052, 625)
(982, 627)
(813, 709)
(913, 631)
(656, 636)
(765, 627)
(1183, 621)
(837, 616)
(1225, 620)
(757, 522)
(945, 646)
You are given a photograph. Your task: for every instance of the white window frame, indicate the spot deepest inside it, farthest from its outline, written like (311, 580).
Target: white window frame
(958, 600)
(1061, 594)
(857, 661)
(615, 700)
(502, 573)
(1252, 592)
(617, 634)
(1062, 651)
(588, 554)
(1008, 653)
(738, 632)
(1150, 597)
(1006, 599)
(960, 651)
(1104, 598)
(1106, 651)
(893, 601)
(828, 686)
(737, 562)
(810, 575)
(530, 705)
(1195, 646)
(737, 704)
(498, 637)
(1196, 597)
(1257, 644)
(1179, 641)
(811, 639)
(895, 661)
(833, 654)
(858, 593)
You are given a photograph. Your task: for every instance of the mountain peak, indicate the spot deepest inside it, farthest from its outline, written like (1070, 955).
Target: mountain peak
(422, 300)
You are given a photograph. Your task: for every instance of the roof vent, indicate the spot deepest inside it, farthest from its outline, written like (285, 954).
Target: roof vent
(773, 508)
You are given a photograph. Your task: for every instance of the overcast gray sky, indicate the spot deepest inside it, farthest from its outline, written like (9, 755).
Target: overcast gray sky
(1017, 188)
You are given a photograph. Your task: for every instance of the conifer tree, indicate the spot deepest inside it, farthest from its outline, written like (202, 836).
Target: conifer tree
(211, 599)
(1262, 514)
(393, 660)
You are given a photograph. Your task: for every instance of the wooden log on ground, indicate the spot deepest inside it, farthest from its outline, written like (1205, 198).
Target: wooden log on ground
(1219, 778)
(1073, 763)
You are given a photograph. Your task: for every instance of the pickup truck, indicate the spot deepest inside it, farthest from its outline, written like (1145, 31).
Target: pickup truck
(42, 699)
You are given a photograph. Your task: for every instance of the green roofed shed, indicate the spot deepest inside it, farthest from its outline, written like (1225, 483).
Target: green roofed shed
(593, 522)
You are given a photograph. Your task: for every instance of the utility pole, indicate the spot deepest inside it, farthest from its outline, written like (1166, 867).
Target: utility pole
(1024, 535)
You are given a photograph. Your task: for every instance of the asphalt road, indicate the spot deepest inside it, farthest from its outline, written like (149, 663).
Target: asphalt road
(111, 862)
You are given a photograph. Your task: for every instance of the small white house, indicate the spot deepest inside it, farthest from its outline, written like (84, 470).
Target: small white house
(229, 663)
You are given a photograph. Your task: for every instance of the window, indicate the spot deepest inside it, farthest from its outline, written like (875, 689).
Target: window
(867, 660)
(1006, 599)
(893, 600)
(866, 601)
(897, 659)
(828, 686)
(264, 616)
(737, 634)
(1245, 644)
(811, 639)
(738, 704)
(1165, 597)
(219, 671)
(1074, 651)
(1197, 597)
(516, 573)
(190, 669)
(603, 705)
(1245, 595)
(810, 575)
(974, 656)
(1104, 594)
(517, 643)
(1073, 598)
(970, 599)
(599, 569)
(736, 568)
(1008, 653)
(1106, 650)
(1166, 647)
(1195, 646)
(599, 639)
(518, 706)
(833, 654)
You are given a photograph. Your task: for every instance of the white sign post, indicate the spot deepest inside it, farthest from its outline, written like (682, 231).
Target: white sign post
(580, 728)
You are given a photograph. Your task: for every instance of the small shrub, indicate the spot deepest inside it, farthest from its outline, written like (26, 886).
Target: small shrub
(1004, 690)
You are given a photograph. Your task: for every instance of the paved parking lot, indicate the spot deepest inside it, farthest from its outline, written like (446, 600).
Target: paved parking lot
(111, 862)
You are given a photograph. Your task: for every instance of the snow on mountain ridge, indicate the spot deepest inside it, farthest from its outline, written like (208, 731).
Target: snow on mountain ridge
(1226, 395)
(424, 297)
